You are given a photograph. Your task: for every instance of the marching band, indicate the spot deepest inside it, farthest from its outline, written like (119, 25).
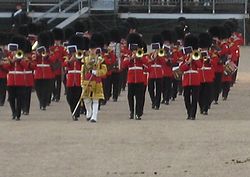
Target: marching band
(97, 66)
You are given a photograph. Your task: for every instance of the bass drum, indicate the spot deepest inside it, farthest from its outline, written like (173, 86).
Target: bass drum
(230, 68)
(177, 73)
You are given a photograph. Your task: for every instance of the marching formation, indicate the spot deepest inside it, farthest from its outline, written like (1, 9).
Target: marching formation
(96, 67)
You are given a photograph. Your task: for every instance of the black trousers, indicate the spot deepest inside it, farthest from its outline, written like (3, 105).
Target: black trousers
(26, 99)
(57, 87)
(166, 88)
(144, 96)
(3, 88)
(16, 95)
(135, 90)
(217, 86)
(205, 96)
(106, 88)
(115, 84)
(154, 89)
(191, 96)
(43, 91)
(174, 88)
(124, 75)
(225, 89)
(73, 96)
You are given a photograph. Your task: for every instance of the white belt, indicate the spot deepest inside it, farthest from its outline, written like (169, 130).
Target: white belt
(156, 66)
(27, 72)
(135, 68)
(16, 72)
(206, 68)
(74, 71)
(43, 65)
(190, 71)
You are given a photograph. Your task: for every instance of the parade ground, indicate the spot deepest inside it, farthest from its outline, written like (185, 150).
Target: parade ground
(165, 144)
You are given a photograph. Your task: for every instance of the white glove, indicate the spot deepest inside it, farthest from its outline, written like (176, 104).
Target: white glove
(93, 72)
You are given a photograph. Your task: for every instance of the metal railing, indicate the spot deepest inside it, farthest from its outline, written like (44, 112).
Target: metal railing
(209, 5)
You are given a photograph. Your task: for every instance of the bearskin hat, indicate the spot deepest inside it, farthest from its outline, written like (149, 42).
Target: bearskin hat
(4, 40)
(157, 38)
(214, 31)
(181, 19)
(123, 31)
(45, 39)
(68, 33)
(235, 22)
(23, 30)
(28, 48)
(132, 23)
(82, 43)
(33, 28)
(115, 35)
(229, 25)
(106, 35)
(191, 40)
(134, 38)
(79, 26)
(205, 40)
(180, 34)
(58, 34)
(166, 35)
(96, 40)
(21, 41)
(144, 46)
(224, 32)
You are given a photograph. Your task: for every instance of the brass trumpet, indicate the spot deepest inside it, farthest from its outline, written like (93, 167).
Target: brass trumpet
(161, 53)
(19, 54)
(79, 54)
(44, 54)
(139, 53)
(196, 55)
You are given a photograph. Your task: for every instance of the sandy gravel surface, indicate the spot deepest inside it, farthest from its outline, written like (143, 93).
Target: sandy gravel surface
(49, 144)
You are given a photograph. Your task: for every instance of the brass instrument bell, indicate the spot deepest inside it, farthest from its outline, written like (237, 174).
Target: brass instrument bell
(161, 52)
(139, 53)
(79, 54)
(196, 55)
(19, 54)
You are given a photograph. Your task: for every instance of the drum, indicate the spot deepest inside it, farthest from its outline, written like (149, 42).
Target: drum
(230, 68)
(177, 73)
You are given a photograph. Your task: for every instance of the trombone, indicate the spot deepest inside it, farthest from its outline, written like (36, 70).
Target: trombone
(79, 54)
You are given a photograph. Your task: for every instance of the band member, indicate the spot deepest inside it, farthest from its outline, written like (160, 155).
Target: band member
(135, 62)
(180, 34)
(227, 78)
(73, 65)
(43, 71)
(15, 79)
(167, 67)
(94, 69)
(3, 72)
(216, 48)
(57, 65)
(191, 78)
(206, 73)
(235, 41)
(155, 69)
(28, 78)
(115, 78)
(109, 60)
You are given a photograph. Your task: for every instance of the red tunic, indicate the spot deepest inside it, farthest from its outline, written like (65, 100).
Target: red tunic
(191, 76)
(135, 69)
(73, 77)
